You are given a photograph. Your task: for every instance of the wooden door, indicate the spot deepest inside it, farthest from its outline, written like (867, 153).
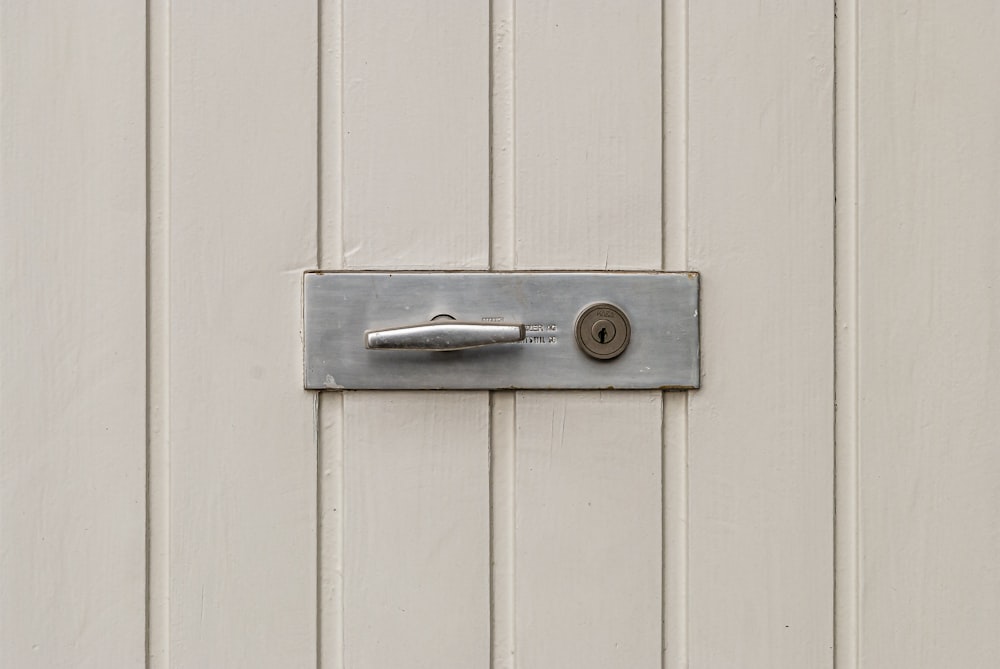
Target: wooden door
(171, 497)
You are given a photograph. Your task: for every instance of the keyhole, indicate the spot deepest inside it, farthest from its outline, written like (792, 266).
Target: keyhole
(602, 335)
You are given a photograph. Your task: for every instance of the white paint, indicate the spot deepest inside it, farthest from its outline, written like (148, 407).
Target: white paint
(928, 345)
(416, 134)
(846, 335)
(330, 428)
(72, 334)
(243, 217)
(587, 541)
(760, 430)
(153, 233)
(158, 337)
(587, 110)
(416, 533)
(675, 405)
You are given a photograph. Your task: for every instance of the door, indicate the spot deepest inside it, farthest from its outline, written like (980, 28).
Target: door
(170, 496)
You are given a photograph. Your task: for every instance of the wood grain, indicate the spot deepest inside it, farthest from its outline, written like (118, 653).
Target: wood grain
(242, 230)
(760, 430)
(928, 341)
(72, 334)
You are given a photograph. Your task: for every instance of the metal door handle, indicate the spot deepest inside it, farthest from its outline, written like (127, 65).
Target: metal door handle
(444, 335)
(580, 330)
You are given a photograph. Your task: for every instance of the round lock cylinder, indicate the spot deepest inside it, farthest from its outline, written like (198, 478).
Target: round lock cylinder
(602, 331)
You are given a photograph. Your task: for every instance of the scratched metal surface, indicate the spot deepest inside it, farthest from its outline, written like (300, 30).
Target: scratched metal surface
(340, 306)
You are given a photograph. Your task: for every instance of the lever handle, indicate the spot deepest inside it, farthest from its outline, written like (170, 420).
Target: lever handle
(444, 335)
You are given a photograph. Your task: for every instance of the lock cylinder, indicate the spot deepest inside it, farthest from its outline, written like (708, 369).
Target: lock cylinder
(603, 331)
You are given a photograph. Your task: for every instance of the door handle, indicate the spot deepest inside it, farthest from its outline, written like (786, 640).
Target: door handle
(568, 330)
(444, 334)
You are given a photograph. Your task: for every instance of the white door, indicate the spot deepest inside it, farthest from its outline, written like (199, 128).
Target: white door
(170, 496)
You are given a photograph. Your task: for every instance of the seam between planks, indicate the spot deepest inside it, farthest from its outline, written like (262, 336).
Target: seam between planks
(148, 379)
(502, 256)
(501, 464)
(674, 160)
(157, 639)
(330, 406)
(846, 468)
(502, 193)
(318, 399)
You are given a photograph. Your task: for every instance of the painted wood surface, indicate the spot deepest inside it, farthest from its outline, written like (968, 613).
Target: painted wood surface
(72, 334)
(587, 134)
(760, 430)
(414, 183)
(415, 134)
(242, 464)
(675, 405)
(416, 547)
(927, 342)
(588, 529)
(514, 529)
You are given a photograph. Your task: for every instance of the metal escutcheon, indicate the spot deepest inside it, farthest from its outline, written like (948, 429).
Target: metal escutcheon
(500, 330)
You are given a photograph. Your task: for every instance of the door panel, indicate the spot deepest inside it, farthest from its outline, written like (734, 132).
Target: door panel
(72, 334)
(924, 341)
(415, 136)
(416, 529)
(242, 228)
(759, 432)
(438, 529)
(150, 358)
(588, 529)
(587, 144)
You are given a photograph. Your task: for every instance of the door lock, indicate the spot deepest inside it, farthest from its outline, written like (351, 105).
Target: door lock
(603, 331)
(505, 330)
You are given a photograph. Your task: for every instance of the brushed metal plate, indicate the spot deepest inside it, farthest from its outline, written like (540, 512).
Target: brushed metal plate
(340, 306)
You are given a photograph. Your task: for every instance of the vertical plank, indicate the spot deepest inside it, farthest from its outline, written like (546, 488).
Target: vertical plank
(242, 230)
(675, 405)
(503, 404)
(588, 529)
(588, 125)
(846, 599)
(330, 427)
(417, 569)
(928, 336)
(416, 134)
(72, 334)
(587, 158)
(416, 195)
(760, 430)
(158, 335)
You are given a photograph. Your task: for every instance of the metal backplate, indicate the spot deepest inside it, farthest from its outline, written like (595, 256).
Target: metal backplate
(662, 309)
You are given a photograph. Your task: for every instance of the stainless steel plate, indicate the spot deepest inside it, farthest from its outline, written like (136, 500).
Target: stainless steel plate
(662, 309)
